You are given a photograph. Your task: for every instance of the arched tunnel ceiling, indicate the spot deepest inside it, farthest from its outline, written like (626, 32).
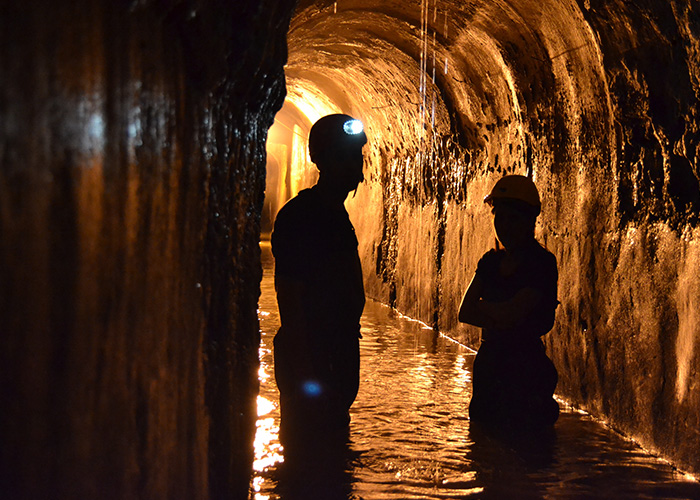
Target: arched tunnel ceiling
(502, 79)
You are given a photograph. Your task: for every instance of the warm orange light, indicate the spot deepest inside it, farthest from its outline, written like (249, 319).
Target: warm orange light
(268, 451)
(311, 101)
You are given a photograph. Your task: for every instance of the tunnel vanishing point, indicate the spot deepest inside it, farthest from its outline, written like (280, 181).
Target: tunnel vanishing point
(132, 180)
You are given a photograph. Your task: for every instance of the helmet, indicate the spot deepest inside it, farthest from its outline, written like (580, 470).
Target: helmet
(515, 187)
(334, 131)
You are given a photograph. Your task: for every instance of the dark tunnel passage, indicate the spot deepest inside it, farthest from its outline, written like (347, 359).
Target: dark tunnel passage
(132, 183)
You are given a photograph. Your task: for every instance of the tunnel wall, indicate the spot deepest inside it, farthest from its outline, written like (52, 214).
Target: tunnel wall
(599, 100)
(131, 182)
(628, 332)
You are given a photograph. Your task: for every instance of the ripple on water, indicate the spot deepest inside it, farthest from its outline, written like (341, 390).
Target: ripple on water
(410, 435)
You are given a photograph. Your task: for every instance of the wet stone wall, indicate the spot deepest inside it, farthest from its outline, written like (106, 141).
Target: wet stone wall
(131, 180)
(629, 333)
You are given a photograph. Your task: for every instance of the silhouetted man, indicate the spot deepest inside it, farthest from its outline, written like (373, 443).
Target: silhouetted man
(318, 278)
(513, 298)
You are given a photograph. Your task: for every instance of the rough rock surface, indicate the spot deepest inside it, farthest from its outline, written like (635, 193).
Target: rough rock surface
(132, 172)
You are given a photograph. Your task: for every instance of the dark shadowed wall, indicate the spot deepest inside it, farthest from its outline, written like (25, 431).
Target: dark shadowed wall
(132, 174)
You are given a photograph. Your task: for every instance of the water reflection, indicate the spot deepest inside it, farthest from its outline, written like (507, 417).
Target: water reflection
(268, 451)
(322, 470)
(411, 439)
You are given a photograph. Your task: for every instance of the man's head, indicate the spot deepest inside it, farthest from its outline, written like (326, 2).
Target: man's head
(335, 146)
(519, 189)
(516, 205)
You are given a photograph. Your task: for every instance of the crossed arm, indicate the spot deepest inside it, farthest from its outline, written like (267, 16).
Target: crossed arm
(505, 315)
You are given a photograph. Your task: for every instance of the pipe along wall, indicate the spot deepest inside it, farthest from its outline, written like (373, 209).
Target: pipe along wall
(131, 191)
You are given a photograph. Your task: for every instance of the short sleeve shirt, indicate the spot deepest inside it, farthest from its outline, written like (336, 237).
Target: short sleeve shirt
(315, 243)
(538, 270)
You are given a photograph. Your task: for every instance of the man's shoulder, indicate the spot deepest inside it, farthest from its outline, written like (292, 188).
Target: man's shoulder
(489, 262)
(298, 208)
(543, 264)
(544, 255)
(303, 198)
(295, 224)
(493, 255)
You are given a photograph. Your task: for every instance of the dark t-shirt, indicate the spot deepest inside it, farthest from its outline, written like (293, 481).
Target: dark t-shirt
(537, 269)
(315, 243)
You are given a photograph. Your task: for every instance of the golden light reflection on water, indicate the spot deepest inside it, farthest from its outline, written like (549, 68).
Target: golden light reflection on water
(265, 406)
(257, 485)
(410, 431)
(268, 451)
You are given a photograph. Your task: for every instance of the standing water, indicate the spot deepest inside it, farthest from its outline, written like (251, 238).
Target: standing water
(410, 435)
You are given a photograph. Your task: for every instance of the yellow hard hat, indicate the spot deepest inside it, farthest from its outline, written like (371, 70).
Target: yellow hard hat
(515, 187)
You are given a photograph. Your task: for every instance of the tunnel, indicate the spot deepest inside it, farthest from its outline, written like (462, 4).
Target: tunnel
(147, 145)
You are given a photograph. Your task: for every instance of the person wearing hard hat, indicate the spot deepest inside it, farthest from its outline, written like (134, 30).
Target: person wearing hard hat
(318, 279)
(513, 298)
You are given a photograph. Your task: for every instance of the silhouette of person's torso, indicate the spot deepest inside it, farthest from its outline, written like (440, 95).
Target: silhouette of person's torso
(513, 379)
(315, 244)
(315, 247)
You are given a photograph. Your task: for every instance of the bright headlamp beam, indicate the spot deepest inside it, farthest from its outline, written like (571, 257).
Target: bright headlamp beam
(353, 127)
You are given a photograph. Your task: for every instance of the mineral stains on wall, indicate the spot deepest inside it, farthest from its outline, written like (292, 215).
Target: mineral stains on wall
(599, 101)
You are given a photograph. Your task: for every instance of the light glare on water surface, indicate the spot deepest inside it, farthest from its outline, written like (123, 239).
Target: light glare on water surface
(410, 435)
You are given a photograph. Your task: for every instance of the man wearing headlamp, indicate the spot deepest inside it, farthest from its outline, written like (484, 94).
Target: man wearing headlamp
(318, 279)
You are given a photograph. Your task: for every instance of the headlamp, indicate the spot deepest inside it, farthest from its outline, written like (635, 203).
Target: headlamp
(353, 127)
